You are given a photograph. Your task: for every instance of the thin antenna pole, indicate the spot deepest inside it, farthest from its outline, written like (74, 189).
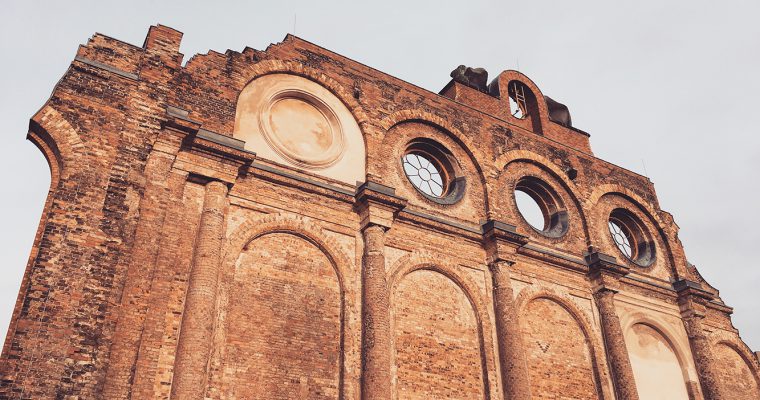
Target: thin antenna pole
(645, 168)
(294, 22)
(518, 63)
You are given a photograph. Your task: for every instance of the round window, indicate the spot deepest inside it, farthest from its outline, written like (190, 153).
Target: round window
(425, 174)
(432, 171)
(541, 207)
(631, 237)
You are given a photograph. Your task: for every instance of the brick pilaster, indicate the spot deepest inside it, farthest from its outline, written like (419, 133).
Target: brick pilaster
(501, 242)
(377, 206)
(195, 339)
(376, 330)
(605, 274)
(691, 299)
(514, 368)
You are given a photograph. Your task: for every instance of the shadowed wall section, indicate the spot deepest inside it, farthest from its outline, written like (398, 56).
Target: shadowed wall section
(557, 351)
(437, 340)
(658, 373)
(283, 338)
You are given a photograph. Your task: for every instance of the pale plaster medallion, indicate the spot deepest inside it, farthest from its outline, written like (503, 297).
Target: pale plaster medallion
(294, 121)
(302, 128)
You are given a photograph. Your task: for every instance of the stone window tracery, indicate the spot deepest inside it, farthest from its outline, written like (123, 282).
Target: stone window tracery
(424, 174)
(433, 171)
(631, 237)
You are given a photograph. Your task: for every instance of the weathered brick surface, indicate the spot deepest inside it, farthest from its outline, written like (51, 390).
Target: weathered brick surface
(736, 380)
(436, 339)
(557, 352)
(284, 336)
(169, 262)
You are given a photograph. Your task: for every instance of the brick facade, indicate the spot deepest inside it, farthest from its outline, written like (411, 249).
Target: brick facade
(173, 261)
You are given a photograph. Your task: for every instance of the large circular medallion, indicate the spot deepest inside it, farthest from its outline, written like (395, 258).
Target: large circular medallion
(302, 128)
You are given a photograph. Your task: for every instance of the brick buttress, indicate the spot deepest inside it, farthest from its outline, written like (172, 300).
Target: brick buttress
(195, 338)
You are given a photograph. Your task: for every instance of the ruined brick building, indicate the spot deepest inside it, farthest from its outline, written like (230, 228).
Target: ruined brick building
(292, 224)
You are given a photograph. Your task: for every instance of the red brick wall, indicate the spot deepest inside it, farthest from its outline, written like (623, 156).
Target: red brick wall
(102, 302)
(438, 351)
(736, 379)
(558, 355)
(284, 331)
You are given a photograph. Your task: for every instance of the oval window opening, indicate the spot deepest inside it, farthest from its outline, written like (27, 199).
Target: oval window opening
(530, 210)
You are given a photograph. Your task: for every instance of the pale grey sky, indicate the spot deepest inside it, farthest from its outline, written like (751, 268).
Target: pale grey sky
(672, 84)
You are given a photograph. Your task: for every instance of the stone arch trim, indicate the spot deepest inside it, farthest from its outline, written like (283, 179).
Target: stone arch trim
(476, 156)
(596, 349)
(617, 189)
(288, 67)
(512, 156)
(422, 260)
(614, 189)
(296, 225)
(301, 227)
(734, 342)
(59, 142)
(681, 353)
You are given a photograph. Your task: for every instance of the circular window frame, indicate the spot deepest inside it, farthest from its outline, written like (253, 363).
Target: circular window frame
(640, 241)
(338, 142)
(443, 160)
(556, 217)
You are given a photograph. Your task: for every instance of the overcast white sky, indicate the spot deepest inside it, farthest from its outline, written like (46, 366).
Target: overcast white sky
(670, 84)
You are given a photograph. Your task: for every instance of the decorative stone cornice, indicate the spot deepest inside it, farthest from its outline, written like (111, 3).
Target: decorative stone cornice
(501, 241)
(692, 298)
(377, 204)
(685, 287)
(604, 271)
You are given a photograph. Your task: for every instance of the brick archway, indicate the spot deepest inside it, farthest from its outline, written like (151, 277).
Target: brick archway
(591, 336)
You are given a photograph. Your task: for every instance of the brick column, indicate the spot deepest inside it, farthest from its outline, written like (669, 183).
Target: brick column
(194, 347)
(501, 242)
(692, 299)
(514, 368)
(617, 352)
(606, 273)
(376, 324)
(377, 206)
